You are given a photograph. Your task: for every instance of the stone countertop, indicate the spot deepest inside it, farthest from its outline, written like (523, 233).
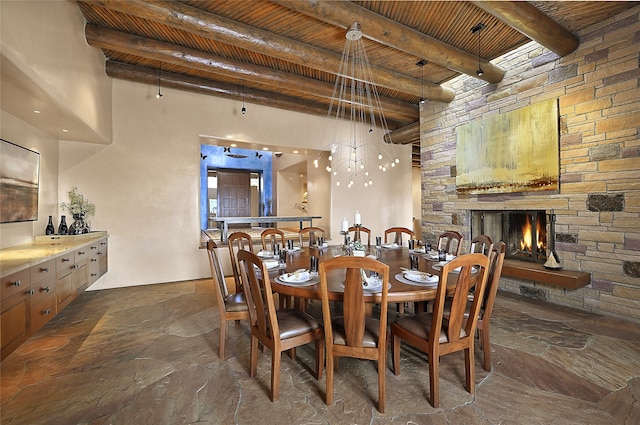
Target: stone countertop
(16, 258)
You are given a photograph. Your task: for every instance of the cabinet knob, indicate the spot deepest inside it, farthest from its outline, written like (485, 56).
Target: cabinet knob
(103, 243)
(31, 292)
(46, 289)
(76, 266)
(46, 312)
(16, 283)
(100, 253)
(81, 252)
(64, 260)
(45, 269)
(94, 274)
(93, 260)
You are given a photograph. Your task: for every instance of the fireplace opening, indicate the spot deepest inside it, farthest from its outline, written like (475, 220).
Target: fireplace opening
(524, 232)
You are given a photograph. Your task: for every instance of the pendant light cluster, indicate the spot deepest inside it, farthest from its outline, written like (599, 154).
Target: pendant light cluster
(353, 107)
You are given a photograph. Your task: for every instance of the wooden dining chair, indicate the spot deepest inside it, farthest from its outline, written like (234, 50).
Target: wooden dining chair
(497, 252)
(481, 244)
(450, 241)
(397, 232)
(363, 229)
(272, 236)
(231, 306)
(437, 336)
(311, 234)
(237, 241)
(279, 330)
(352, 333)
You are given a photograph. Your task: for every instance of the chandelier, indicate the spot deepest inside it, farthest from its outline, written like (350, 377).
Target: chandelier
(358, 119)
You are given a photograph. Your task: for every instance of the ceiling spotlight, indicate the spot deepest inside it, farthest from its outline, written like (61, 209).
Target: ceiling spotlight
(159, 95)
(477, 29)
(421, 63)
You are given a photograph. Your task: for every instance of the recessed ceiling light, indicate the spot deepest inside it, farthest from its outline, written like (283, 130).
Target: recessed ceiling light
(265, 149)
(64, 130)
(233, 145)
(35, 111)
(295, 151)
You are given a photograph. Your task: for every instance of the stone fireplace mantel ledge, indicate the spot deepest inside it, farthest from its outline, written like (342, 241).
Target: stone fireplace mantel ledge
(535, 271)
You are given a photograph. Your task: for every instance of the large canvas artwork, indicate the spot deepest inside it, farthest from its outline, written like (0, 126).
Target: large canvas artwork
(19, 179)
(517, 151)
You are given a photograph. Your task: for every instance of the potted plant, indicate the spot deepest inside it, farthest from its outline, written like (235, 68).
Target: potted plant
(80, 208)
(358, 249)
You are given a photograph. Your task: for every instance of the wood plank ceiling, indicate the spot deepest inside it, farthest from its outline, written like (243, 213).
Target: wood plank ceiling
(285, 53)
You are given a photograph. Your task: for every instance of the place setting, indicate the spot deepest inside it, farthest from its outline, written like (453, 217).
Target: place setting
(417, 277)
(371, 283)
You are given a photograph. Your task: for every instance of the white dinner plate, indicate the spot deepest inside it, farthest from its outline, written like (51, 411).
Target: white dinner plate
(438, 267)
(298, 277)
(391, 246)
(421, 277)
(271, 264)
(265, 254)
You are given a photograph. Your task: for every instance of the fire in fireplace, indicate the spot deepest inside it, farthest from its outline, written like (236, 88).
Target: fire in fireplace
(524, 232)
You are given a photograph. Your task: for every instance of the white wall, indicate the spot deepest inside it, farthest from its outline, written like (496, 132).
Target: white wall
(20, 133)
(145, 184)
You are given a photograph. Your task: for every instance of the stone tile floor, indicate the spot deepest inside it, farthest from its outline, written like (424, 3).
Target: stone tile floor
(148, 355)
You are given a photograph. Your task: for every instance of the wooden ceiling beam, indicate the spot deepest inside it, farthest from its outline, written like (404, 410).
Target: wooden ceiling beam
(150, 76)
(391, 33)
(191, 19)
(525, 18)
(179, 55)
(404, 135)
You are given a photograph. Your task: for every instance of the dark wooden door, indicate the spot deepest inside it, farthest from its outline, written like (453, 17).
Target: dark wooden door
(234, 194)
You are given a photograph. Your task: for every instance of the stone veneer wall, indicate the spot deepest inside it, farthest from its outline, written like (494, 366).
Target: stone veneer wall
(598, 204)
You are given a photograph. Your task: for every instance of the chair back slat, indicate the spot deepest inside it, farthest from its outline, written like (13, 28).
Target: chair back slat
(237, 241)
(313, 233)
(480, 244)
(397, 234)
(451, 242)
(353, 308)
(222, 292)
(272, 236)
(262, 311)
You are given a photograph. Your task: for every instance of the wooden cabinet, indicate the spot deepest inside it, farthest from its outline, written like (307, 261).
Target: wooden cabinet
(15, 313)
(43, 299)
(32, 296)
(98, 260)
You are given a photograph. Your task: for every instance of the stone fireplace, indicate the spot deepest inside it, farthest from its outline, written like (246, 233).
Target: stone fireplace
(524, 232)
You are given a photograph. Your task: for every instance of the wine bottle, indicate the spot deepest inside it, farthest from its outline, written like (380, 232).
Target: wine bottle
(50, 230)
(62, 229)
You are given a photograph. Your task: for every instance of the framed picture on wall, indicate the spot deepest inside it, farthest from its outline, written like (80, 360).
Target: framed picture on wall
(19, 182)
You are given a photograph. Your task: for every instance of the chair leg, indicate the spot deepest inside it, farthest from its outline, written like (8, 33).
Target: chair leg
(253, 359)
(469, 368)
(329, 391)
(434, 379)
(275, 374)
(395, 355)
(224, 324)
(382, 368)
(319, 358)
(292, 353)
(486, 348)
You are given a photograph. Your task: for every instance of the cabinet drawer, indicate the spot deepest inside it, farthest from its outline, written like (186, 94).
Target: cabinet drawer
(42, 271)
(15, 283)
(65, 262)
(14, 322)
(65, 292)
(81, 255)
(42, 312)
(43, 289)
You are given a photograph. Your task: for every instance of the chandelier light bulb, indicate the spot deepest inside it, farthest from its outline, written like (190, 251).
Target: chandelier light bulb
(366, 173)
(380, 156)
(361, 166)
(335, 173)
(384, 169)
(315, 162)
(370, 182)
(393, 164)
(330, 157)
(366, 184)
(397, 161)
(349, 169)
(338, 183)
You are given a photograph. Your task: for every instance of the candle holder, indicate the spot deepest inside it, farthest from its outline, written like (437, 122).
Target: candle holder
(356, 236)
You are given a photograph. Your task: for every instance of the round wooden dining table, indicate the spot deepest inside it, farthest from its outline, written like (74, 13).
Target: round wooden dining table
(396, 259)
